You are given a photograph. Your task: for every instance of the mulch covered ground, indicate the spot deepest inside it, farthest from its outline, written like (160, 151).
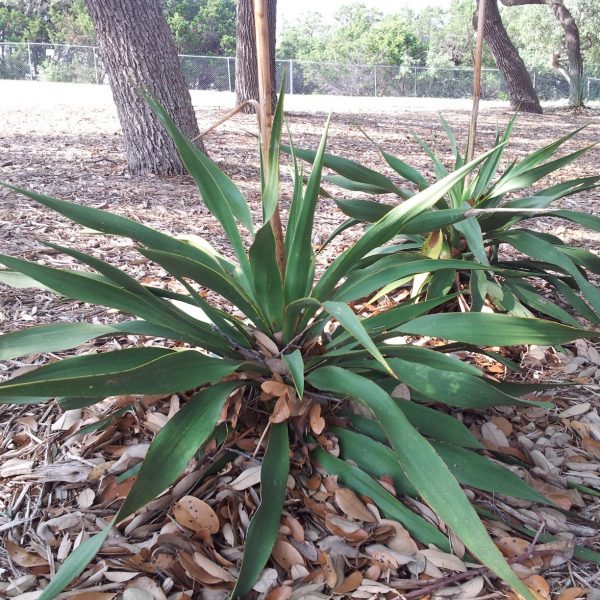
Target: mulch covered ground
(57, 488)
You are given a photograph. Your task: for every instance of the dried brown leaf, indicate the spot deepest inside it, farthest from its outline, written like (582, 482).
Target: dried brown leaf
(350, 583)
(352, 506)
(573, 593)
(23, 557)
(282, 592)
(246, 479)
(285, 555)
(195, 514)
(401, 542)
(317, 422)
(539, 586)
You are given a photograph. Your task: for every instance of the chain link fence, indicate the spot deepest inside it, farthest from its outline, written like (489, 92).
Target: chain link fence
(82, 64)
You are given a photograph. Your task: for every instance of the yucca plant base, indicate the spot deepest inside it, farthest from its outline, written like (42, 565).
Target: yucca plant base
(313, 380)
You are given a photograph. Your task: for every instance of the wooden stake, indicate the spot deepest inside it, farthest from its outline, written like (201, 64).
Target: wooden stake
(476, 80)
(266, 113)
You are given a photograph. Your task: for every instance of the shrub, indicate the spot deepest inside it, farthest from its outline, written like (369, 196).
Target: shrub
(494, 214)
(300, 341)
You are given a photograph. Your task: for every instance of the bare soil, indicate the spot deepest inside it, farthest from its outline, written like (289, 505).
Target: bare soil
(64, 140)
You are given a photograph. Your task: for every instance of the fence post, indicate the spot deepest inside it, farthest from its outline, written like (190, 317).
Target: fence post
(95, 66)
(375, 78)
(291, 76)
(415, 87)
(588, 88)
(229, 73)
(31, 69)
(534, 81)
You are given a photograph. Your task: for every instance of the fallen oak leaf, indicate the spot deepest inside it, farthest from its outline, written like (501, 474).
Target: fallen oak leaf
(23, 557)
(317, 422)
(352, 506)
(573, 593)
(195, 514)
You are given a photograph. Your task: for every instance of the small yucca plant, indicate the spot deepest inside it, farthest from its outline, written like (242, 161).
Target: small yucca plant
(297, 334)
(499, 213)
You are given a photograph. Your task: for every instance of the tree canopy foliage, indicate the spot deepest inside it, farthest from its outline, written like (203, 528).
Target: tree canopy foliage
(357, 35)
(432, 36)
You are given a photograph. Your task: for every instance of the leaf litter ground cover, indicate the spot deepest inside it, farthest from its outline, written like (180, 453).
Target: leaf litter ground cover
(330, 538)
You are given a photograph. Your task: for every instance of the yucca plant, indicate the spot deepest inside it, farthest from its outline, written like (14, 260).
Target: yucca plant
(295, 332)
(500, 211)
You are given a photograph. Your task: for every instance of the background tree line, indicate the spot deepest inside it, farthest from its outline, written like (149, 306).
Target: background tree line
(432, 37)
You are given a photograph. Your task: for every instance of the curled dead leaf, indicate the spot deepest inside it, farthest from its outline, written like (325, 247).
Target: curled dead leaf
(443, 560)
(23, 557)
(349, 530)
(539, 586)
(512, 547)
(282, 592)
(573, 593)
(285, 555)
(195, 514)
(317, 422)
(246, 479)
(401, 542)
(352, 506)
(350, 584)
(212, 568)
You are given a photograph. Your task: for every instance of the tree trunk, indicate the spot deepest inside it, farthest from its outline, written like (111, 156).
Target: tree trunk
(521, 92)
(246, 70)
(573, 46)
(137, 50)
(574, 74)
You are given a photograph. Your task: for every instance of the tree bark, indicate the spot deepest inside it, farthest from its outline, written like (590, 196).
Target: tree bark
(137, 50)
(572, 41)
(246, 70)
(521, 92)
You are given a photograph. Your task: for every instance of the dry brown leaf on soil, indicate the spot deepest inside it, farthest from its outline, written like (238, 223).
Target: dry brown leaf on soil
(563, 498)
(512, 547)
(94, 596)
(386, 558)
(443, 560)
(15, 466)
(143, 588)
(285, 555)
(574, 593)
(273, 389)
(503, 424)
(575, 411)
(268, 345)
(352, 506)
(493, 436)
(317, 422)
(280, 593)
(246, 479)
(119, 576)
(212, 568)
(539, 586)
(329, 574)
(267, 580)
(350, 583)
(20, 587)
(296, 529)
(195, 514)
(85, 498)
(401, 541)
(196, 572)
(282, 410)
(348, 530)
(22, 557)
